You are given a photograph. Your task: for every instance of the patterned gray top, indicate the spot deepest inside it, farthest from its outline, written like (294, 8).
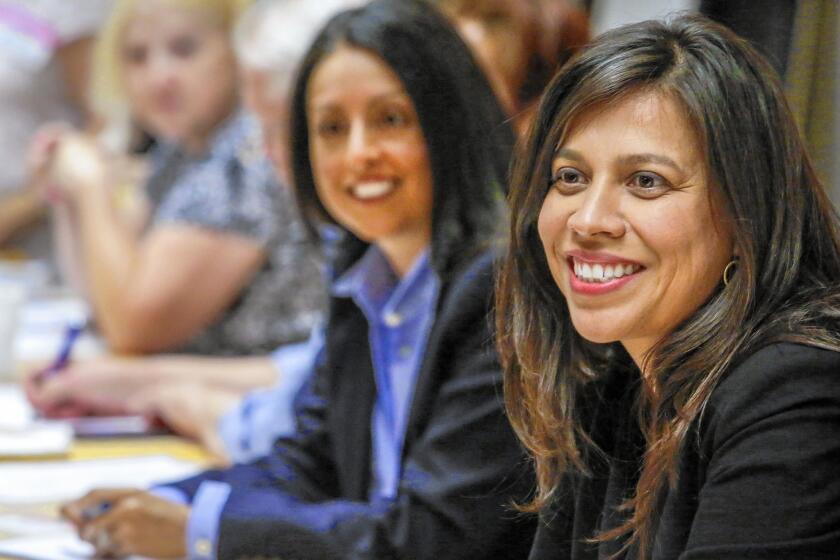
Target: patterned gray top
(231, 188)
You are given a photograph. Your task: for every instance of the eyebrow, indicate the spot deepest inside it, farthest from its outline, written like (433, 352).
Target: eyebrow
(624, 160)
(377, 99)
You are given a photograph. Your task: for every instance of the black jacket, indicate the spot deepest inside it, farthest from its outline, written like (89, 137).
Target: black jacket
(758, 480)
(462, 465)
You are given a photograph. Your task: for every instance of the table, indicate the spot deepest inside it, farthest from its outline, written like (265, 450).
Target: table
(173, 446)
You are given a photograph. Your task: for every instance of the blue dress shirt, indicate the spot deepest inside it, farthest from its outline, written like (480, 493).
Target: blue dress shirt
(250, 428)
(400, 313)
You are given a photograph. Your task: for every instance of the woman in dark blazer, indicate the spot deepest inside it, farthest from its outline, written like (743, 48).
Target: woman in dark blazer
(402, 449)
(668, 309)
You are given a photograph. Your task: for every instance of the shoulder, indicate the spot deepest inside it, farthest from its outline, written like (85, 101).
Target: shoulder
(773, 381)
(473, 277)
(468, 291)
(780, 366)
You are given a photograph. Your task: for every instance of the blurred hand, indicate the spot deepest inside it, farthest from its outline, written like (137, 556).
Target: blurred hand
(39, 157)
(135, 522)
(189, 408)
(78, 164)
(100, 386)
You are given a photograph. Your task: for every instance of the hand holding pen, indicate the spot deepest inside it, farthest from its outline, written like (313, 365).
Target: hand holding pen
(122, 522)
(71, 334)
(36, 382)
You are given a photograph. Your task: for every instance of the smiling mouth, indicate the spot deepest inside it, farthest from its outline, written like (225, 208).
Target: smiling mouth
(601, 273)
(371, 190)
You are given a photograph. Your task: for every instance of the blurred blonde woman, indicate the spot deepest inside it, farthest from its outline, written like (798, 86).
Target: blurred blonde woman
(199, 396)
(210, 268)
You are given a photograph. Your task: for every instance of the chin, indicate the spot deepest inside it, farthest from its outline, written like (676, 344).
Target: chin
(596, 330)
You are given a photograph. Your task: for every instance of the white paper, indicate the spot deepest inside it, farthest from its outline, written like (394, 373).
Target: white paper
(15, 411)
(39, 439)
(52, 314)
(36, 525)
(61, 546)
(59, 481)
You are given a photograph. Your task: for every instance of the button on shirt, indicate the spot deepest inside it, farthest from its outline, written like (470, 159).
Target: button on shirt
(400, 314)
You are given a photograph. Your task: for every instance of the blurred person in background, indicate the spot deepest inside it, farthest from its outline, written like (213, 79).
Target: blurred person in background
(202, 397)
(520, 44)
(220, 262)
(45, 47)
(401, 448)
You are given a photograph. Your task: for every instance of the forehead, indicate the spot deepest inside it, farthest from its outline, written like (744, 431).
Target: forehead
(153, 18)
(649, 117)
(350, 74)
(484, 8)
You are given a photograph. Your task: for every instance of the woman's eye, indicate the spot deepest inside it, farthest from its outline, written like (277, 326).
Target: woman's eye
(648, 183)
(329, 128)
(183, 47)
(568, 179)
(495, 19)
(393, 119)
(135, 55)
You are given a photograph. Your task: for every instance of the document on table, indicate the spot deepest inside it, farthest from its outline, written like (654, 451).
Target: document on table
(23, 436)
(59, 481)
(59, 546)
(15, 411)
(39, 439)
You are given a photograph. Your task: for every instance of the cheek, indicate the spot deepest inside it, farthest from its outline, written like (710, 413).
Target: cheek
(211, 66)
(325, 172)
(135, 83)
(551, 223)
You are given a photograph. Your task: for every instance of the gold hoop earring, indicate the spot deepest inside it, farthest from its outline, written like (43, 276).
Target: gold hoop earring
(730, 269)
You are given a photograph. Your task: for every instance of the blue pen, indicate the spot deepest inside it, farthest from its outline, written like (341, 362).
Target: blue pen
(70, 336)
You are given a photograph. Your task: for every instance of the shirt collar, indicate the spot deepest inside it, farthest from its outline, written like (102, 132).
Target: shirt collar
(372, 279)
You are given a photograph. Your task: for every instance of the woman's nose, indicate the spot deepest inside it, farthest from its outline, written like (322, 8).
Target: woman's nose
(162, 70)
(598, 213)
(361, 145)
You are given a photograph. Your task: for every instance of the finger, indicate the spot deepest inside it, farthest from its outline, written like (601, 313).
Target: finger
(152, 402)
(65, 410)
(32, 387)
(76, 510)
(55, 389)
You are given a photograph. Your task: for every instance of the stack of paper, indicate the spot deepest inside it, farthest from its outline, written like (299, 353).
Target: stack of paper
(59, 481)
(61, 546)
(23, 436)
(40, 439)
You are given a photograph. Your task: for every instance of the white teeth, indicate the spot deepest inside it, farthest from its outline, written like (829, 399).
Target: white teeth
(372, 189)
(600, 273)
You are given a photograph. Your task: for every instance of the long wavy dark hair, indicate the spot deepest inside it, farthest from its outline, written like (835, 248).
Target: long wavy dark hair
(468, 140)
(785, 232)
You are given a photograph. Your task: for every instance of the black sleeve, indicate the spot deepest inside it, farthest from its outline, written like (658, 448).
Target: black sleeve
(771, 486)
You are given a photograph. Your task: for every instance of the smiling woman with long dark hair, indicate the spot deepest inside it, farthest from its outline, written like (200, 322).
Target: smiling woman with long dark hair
(668, 309)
